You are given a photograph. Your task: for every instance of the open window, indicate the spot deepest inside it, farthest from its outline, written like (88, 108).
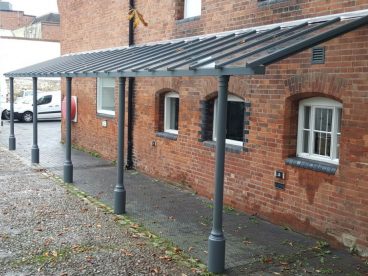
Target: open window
(234, 120)
(106, 96)
(171, 113)
(319, 129)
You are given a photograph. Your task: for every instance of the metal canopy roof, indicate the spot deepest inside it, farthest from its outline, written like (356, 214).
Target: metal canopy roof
(243, 52)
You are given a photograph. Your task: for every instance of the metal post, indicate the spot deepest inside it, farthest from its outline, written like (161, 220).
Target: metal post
(35, 150)
(129, 164)
(68, 165)
(12, 140)
(119, 191)
(216, 240)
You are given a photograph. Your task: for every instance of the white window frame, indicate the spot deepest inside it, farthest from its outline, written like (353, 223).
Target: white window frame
(192, 8)
(313, 103)
(230, 98)
(101, 83)
(168, 111)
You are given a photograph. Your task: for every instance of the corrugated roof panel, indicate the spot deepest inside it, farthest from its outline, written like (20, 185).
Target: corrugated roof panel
(235, 53)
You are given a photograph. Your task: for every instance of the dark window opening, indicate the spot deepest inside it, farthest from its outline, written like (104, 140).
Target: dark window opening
(235, 121)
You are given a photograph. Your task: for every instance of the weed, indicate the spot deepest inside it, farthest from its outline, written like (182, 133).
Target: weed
(326, 271)
(253, 219)
(321, 245)
(90, 152)
(353, 250)
(228, 209)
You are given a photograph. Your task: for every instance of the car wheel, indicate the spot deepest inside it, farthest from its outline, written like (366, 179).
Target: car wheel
(5, 115)
(27, 117)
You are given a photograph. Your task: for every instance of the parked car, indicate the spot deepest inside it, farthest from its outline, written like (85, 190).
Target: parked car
(48, 103)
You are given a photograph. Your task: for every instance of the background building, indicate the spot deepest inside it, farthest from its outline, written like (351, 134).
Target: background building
(25, 40)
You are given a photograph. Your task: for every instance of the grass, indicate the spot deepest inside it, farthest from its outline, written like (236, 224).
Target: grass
(90, 152)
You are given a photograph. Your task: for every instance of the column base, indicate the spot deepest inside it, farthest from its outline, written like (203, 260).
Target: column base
(216, 253)
(119, 200)
(35, 153)
(68, 172)
(12, 143)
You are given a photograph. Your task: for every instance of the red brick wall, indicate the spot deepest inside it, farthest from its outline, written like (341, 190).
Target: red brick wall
(51, 31)
(330, 206)
(224, 15)
(11, 20)
(87, 25)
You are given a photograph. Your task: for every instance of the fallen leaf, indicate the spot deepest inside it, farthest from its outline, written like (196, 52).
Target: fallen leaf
(177, 250)
(155, 270)
(134, 225)
(166, 258)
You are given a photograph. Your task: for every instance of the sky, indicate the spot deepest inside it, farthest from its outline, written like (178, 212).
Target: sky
(34, 7)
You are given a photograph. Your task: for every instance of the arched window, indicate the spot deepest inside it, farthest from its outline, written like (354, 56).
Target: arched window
(171, 112)
(234, 120)
(319, 129)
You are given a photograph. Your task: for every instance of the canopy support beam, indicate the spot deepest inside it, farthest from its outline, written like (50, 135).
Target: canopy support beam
(35, 152)
(216, 240)
(68, 165)
(119, 191)
(12, 140)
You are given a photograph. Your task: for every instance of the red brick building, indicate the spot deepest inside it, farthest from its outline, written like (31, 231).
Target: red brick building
(45, 27)
(306, 117)
(11, 20)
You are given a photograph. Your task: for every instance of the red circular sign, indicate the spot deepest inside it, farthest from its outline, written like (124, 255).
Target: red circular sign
(73, 108)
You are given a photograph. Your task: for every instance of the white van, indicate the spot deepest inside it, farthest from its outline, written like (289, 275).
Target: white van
(48, 107)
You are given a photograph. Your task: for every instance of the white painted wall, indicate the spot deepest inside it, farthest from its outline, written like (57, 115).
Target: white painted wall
(18, 53)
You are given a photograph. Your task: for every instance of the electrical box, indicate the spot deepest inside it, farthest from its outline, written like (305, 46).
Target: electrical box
(279, 186)
(279, 174)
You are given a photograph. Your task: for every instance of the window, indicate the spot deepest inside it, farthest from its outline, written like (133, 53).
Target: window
(171, 113)
(44, 100)
(105, 96)
(234, 121)
(319, 129)
(192, 8)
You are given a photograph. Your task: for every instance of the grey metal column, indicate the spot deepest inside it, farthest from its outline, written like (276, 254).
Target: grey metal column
(119, 191)
(12, 140)
(35, 150)
(216, 240)
(68, 165)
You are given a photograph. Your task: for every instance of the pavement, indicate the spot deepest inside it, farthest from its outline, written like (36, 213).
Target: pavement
(49, 228)
(253, 246)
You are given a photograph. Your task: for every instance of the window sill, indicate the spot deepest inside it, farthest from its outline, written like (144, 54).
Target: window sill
(317, 166)
(167, 135)
(269, 2)
(188, 19)
(228, 147)
(104, 115)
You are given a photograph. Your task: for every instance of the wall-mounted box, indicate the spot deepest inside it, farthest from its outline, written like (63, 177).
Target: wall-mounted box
(279, 174)
(279, 186)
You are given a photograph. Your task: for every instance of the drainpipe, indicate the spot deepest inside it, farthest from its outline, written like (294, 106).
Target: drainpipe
(131, 81)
